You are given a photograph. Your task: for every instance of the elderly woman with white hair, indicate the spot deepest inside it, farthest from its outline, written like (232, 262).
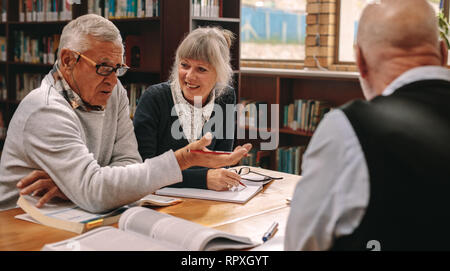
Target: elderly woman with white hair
(194, 101)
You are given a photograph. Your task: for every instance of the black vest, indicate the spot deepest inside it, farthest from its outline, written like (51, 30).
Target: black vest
(405, 138)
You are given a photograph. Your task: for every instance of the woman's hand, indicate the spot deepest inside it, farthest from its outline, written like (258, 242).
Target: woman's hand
(38, 183)
(221, 179)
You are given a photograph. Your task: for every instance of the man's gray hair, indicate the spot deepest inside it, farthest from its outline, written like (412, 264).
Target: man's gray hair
(211, 45)
(75, 34)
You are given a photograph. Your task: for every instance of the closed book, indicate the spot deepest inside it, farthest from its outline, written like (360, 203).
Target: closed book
(66, 215)
(291, 116)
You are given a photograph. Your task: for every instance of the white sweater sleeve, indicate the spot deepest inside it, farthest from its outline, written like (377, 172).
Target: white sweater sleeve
(58, 148)
(125, 147)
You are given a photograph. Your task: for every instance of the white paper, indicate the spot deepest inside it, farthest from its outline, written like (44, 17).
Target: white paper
(67, 211)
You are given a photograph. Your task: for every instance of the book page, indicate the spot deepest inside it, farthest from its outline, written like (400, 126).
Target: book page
(26, 217)
(66, 211)
(109, 239)
(180, 232)
(253, 177)
(155, 200)
(274, 244)
(220, 243)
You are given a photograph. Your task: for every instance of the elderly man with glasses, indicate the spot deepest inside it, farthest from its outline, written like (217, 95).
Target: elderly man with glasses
(73, 136)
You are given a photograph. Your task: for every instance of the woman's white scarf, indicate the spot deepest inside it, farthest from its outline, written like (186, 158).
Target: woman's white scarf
(192, 117)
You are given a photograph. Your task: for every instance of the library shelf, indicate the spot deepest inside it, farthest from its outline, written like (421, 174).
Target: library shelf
(216, 19)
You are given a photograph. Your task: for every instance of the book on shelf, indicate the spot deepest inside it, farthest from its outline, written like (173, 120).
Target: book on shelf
(134, 91)
(253, 114)
(134, 49)
(65, 215)
(207, 8)
(257, 158)
(44, 10)
(146, 229)
(35, 48)
(2, 127)
(2, 48)
(96, 7)
(3, 11)
(3, 89)
(304, 115)
(242, 112)
(26, 82)
(289, 159)
(259, 113)
(122, 9)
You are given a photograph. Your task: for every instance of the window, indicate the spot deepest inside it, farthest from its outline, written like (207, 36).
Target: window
(447, 14)
(273, 30)
(349, 13)
(441, 5)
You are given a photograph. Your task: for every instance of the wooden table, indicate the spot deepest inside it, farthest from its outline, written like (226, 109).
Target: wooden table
(251, 219)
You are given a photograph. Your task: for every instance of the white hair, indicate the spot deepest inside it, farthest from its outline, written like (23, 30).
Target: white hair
(75, 34)
(211, 45)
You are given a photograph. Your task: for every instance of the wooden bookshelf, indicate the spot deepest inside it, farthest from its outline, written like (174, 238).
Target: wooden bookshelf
(159, 36)
(135, 20)
(29, 64)
(218, 19)
(282, 87)
(280, 130)
(45, 23)
(178, 21)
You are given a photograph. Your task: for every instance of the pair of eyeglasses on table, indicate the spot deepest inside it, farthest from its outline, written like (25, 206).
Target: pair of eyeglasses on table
(245, 172)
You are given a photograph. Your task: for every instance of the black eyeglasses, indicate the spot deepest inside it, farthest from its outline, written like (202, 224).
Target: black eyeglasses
(104, 69)
(246, 170)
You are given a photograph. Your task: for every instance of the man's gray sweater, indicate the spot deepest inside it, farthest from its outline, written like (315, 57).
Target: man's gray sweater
(91, 156)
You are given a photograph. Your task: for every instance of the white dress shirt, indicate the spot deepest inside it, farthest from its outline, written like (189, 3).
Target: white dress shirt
(333, 194)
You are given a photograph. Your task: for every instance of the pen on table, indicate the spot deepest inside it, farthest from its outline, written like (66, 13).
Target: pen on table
(242, 184)
(270, 232)
(235, 188)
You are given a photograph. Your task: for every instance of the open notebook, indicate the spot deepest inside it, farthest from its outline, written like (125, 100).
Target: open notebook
(241, 195)
(146, 229)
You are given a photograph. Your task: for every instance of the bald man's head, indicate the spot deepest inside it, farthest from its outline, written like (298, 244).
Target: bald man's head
(393, 37)
(398, 23)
